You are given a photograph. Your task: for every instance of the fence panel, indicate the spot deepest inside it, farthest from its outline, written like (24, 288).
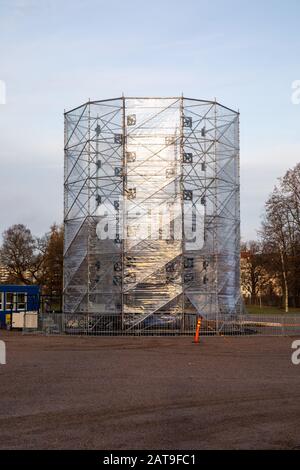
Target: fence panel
(114, 325)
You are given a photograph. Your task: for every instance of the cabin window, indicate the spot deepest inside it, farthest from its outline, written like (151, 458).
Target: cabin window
(9, 301)
(21, 300)
(15, 301)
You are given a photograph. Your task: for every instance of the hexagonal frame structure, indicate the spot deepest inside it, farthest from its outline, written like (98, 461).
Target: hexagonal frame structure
(132, 155)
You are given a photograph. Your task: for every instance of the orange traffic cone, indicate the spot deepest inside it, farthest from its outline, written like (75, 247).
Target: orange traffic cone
(198, 326)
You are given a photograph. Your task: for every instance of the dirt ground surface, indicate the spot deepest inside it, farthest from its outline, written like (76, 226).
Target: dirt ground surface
(149, 393)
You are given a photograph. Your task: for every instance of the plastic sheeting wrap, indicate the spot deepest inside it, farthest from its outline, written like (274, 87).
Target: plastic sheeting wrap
(152, 209)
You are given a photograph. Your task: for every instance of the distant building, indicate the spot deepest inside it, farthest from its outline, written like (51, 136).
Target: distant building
(6, 277)
(4, 274)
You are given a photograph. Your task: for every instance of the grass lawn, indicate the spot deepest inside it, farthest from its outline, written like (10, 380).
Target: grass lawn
(255, 309)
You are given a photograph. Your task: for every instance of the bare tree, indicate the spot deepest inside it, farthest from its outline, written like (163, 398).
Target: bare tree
(290, 185)
(53, 262)
(253, 273)
(18, 253)
(275, 237)
(30, 259)
(281, 234)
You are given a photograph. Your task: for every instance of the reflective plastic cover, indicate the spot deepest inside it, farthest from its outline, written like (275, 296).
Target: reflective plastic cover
(152, 209)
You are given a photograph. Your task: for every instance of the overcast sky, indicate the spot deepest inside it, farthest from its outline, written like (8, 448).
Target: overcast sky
(54, 55)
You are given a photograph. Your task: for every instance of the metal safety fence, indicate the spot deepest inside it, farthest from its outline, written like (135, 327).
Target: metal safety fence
(115, 325)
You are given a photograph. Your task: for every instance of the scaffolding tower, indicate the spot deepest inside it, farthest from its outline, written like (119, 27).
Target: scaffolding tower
(151, 211)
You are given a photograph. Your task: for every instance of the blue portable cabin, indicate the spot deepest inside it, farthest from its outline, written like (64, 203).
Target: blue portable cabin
(16, 298)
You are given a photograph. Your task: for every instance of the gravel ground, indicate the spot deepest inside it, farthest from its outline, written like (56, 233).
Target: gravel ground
(148, 393)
